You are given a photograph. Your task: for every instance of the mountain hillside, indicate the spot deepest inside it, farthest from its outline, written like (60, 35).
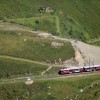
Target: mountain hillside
(39, 38)
(84, 12)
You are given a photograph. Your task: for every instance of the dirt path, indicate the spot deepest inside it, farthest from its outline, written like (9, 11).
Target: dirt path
(16, 27)
(27, 60)
(10, 26)
(46, 70)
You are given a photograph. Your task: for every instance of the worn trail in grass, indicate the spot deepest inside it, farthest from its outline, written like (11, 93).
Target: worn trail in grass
(26, 60)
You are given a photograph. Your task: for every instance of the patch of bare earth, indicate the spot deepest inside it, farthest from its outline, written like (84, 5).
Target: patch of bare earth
(29, 81)
(89, 53)
(10, 26)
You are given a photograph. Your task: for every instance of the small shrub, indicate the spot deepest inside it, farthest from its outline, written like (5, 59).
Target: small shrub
(37, 22)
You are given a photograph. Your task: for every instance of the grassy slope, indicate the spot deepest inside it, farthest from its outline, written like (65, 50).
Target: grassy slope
(44, 23)
(95, 42)
(30, 46)
(91, 92)
(85, 12)
(9, 68)
(60, 89)
(16, 68)
(63, 26)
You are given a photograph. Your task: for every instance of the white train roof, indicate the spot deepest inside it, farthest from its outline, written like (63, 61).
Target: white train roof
(91, 66)
(69, 68)
(79, 67)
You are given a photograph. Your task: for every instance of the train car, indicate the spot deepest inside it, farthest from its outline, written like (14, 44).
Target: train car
(63, 71)
(88, 68)
(71, 70)
(79, 69)
(92, 68)
(97, 68)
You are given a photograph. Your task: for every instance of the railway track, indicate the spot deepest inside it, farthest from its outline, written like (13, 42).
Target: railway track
(48, 77)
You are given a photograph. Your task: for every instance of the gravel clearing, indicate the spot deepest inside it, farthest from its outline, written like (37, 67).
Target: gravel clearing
(90, 53)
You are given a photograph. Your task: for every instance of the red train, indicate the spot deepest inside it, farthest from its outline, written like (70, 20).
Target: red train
(79, 69)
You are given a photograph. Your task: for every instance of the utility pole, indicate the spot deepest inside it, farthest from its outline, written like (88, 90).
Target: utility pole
(93, 63)
(30, 72)
(89, 61)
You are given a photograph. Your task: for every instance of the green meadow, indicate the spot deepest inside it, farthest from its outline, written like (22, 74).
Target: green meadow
(50, 89)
